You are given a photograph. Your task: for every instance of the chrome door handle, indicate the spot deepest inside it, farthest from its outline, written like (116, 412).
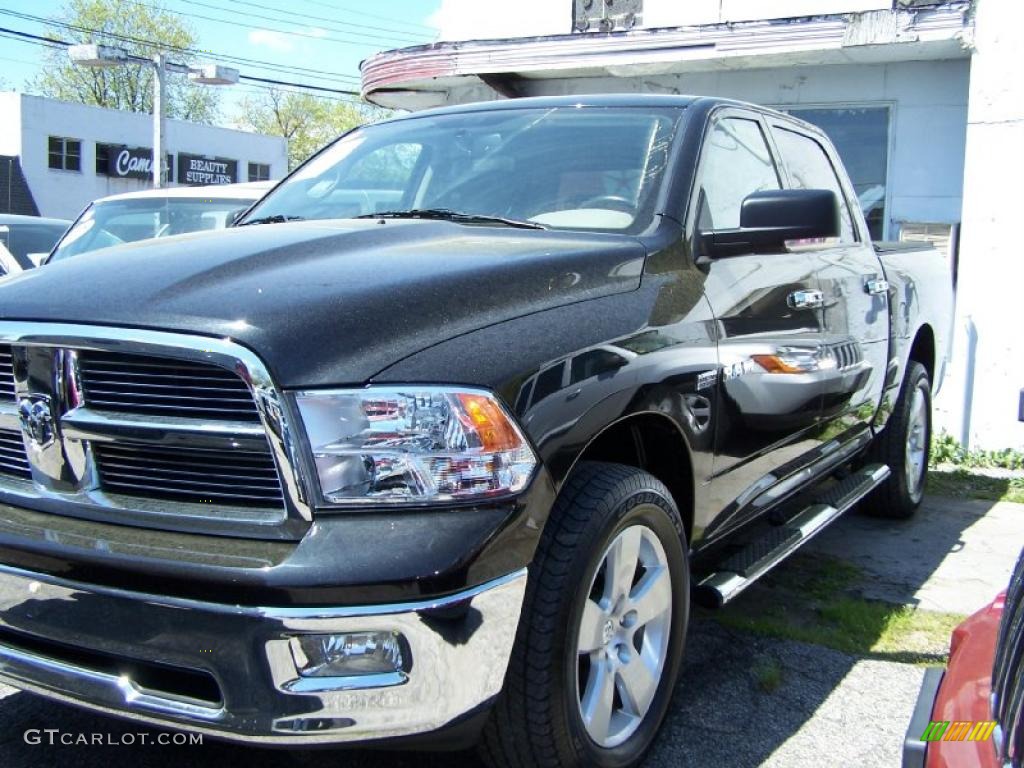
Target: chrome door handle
(876, 285)
(805, 299)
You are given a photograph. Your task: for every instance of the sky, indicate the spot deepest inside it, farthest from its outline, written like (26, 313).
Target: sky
(320, 41)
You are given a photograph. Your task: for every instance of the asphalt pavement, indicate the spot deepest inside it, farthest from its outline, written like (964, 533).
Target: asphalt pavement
(829, 709)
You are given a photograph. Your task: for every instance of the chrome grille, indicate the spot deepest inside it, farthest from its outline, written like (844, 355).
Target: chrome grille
(159, 386)
(157, 429)
(193, 475)
(13, 459)
(6, 374)
(847, 354)
(1008, 673)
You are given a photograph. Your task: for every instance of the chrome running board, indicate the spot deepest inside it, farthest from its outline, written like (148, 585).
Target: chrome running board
(742, 569)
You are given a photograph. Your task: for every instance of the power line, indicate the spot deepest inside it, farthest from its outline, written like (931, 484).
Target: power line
(258, 63)
(422, 36)
(258, 86)
(391, 19)
(235, 23)
(53, 42)
(306, 86)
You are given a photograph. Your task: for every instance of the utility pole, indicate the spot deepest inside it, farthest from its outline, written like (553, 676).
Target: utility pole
(94, 55)
(159, 93)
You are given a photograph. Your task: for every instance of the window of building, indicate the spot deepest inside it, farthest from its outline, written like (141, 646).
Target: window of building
(736, 164)
(259, 172)
(103, 154)
(810, 168)
(65, 154)
(861, 137)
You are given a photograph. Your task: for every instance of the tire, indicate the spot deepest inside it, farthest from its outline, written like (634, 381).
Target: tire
(537, 721)
(905, 446)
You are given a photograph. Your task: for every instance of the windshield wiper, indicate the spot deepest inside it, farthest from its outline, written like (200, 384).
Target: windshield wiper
(444, 214)
(278, 218)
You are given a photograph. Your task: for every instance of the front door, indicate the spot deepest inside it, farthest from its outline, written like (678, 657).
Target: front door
(769, 323)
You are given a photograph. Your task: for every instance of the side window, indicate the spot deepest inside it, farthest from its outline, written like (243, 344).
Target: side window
(736, 163)
(594, 363)
(548, 382)
(810, 168)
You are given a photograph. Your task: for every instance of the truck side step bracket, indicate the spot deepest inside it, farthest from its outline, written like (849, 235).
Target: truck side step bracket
(743, 568)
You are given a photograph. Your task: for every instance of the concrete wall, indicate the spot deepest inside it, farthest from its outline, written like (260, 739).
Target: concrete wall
(991, 255)
(927, 99)
(673, 13)
(63, 194)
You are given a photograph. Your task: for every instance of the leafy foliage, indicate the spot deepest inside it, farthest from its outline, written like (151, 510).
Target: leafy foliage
(947, 450)
(308, 122)
(142, 30)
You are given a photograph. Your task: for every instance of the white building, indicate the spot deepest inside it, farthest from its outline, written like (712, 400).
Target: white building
(924, 100)
(56, 157)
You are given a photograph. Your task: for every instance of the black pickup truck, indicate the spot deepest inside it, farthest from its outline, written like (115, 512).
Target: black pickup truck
(437, 445)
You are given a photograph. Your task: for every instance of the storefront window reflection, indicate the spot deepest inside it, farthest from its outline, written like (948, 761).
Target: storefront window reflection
(861, 136)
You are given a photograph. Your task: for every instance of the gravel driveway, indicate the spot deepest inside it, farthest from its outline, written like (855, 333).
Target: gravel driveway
(853, 710)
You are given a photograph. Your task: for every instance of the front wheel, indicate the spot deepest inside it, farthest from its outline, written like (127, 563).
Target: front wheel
(601, 636)
(905, 446)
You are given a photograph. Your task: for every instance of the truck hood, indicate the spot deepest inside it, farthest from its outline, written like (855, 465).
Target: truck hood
(328, 302)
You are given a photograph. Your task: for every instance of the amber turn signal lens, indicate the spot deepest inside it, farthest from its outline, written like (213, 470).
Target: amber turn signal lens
(487, 420)
(775, 364)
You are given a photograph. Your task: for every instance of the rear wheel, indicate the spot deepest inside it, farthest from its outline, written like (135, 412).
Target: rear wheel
(905, 446)
(601, 636)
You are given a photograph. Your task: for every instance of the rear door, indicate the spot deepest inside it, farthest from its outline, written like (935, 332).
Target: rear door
(765, 305)
(849, 276)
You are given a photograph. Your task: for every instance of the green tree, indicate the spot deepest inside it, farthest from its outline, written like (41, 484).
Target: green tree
(308, 122)
(142, 30)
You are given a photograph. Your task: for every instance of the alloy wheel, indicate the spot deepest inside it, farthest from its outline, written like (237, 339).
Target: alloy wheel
(623, 636)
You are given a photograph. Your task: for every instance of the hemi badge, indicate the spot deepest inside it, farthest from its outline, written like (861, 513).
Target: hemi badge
(706, 379)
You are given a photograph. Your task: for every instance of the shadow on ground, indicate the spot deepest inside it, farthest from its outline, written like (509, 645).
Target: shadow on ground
(954, 555)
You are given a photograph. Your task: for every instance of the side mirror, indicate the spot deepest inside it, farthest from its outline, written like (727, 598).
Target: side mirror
(770, 218)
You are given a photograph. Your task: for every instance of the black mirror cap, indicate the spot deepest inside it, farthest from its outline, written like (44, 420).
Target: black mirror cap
(807, 213)
(771, 218)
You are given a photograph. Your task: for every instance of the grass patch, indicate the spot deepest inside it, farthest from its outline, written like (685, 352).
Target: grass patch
(813, 600)
(767, 674)
(961, 484)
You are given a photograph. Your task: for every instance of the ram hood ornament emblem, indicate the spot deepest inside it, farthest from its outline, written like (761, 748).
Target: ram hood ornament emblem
(36, 417)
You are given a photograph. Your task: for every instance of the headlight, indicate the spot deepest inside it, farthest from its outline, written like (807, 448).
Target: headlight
(413, 445)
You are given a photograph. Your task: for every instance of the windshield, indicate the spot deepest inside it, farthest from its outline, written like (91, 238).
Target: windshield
(22, 240)
(594, 168)
(113, 222)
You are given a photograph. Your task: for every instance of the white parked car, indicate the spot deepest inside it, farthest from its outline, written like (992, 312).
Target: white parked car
(27, 240)
(8, 264)
(153, 213)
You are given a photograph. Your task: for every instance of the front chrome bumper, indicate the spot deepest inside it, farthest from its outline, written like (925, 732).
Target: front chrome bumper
(66, 641)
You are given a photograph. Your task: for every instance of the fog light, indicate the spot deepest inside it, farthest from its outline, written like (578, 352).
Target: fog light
(349, 654)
